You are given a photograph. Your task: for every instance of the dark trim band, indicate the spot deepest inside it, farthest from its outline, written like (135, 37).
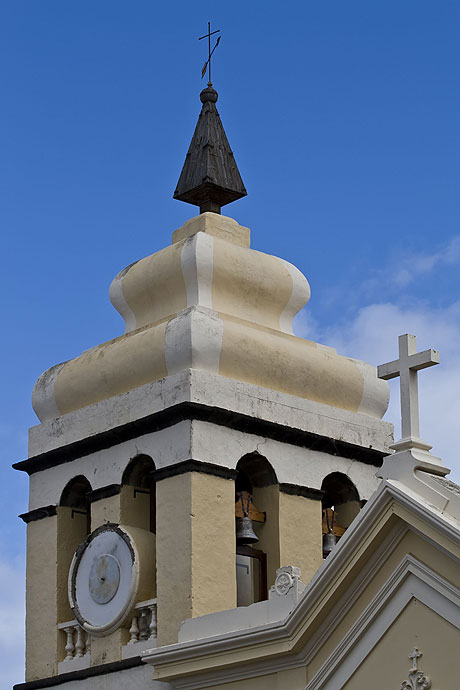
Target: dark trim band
(52, 681)
(38, 514)
(194, 466)
(305, 491)
(103, 492)
(214, 415)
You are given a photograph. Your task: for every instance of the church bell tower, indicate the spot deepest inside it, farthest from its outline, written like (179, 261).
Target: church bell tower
(178, 466)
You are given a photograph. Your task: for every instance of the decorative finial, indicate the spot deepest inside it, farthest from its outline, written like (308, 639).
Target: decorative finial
(207, 64)
(417, 679)
(406, 367)
(210, 177)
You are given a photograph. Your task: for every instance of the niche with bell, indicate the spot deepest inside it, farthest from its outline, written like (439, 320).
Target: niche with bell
(255, 480)
(341, 504)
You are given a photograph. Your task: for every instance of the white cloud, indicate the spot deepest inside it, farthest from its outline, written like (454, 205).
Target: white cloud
(12, 588)
(372, 334)
(409, 271)
(418, 264)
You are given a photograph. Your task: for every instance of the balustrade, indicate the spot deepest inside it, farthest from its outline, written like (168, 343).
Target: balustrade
(78, 645)
(144, 622)
(142, 635)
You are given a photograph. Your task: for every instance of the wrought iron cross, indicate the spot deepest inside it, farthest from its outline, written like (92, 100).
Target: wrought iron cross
(406, 367)
(207, 64)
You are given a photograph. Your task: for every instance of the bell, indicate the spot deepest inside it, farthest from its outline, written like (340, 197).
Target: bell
(244, 532)
(329, 541)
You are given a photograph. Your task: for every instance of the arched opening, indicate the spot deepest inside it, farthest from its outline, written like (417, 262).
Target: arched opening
(138, 495)
(73, 526)
(256, 495)
(75, 496)
(341, 504)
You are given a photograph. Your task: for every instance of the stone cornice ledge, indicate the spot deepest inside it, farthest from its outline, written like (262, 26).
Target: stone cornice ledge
(211, 390)
(281, 645)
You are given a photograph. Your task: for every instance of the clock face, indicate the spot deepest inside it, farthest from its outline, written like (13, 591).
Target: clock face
(103, 580)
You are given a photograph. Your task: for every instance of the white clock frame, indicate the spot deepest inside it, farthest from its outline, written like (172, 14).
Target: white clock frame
(104, 579)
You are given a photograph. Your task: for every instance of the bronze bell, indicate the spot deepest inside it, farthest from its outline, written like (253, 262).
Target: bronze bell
(244, 532)
(329, 541)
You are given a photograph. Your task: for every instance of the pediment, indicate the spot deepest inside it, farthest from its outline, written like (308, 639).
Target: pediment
(415, 607)
(390, 585)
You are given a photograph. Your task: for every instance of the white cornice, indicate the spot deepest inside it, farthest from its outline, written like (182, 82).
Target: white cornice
(411, 579)
(264, 649)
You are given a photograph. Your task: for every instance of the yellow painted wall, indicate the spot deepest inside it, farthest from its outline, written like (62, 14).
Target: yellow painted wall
(300, 534)
(411, 543)
(195, 549)
(270, 358)
(51, 544)
(291, 534)
(266, 499)
(41, 599)
(387, 665)
(107, 649)
(154, 287)
(134, 507)
(112, 368)
(105, 510)
(72, 531)
(346, 513)
(260, 293)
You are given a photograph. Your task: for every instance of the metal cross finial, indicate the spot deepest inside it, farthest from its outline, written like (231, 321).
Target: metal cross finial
(207, 64)
(406, 367)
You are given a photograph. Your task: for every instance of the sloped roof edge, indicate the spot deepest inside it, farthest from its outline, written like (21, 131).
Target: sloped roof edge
(259, 646)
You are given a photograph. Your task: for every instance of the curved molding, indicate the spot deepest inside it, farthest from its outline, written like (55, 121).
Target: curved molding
(375, 398)
(197, 268)
(43, 397)
(193, 340)
(118, 300)
(300, 296)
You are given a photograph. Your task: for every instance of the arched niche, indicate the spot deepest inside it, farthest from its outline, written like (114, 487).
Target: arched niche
(257, 563)
(73, 526)
(75, 496)
(138, 495)
(341, 496)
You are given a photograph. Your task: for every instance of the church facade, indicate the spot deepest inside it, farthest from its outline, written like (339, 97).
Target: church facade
(216, 502)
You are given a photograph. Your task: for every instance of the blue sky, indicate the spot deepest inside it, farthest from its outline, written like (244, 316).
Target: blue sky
(343, 117)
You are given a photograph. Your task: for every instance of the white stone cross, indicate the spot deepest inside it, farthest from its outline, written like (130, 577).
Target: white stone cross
(406, 367)
(413, 656)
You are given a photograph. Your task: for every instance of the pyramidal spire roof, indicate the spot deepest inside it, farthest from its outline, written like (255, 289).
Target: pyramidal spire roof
(210, 177)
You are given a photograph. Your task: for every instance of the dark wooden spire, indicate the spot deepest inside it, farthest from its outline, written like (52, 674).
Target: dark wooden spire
(210, 177)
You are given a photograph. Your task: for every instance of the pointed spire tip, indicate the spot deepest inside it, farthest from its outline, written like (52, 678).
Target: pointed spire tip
(210, 177)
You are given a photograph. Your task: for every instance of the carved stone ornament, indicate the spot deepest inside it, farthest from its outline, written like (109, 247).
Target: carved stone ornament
(283, 583)
(285, 579)
(417, 679)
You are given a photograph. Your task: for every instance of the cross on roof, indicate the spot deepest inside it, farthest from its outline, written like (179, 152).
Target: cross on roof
(207, 64)
(406, 367)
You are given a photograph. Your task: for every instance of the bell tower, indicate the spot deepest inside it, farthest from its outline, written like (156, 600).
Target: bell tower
(176, 467)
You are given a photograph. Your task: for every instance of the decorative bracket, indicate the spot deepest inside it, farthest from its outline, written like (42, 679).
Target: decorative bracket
(417, 679)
